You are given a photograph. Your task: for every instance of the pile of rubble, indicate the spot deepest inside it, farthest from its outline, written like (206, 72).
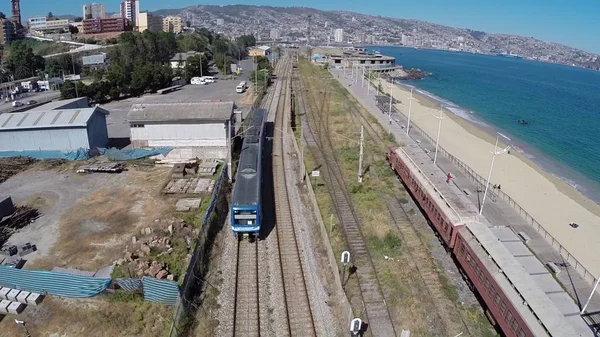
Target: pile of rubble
(11, 166)
(142, 256)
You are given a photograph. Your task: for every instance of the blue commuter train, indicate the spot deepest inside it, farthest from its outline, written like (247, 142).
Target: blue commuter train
(246, 203)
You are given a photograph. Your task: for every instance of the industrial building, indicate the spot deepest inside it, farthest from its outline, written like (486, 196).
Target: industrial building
(41, 23)
(199, 124)
(54, 130)
(94, 62)
(260, 51)
(73, 103)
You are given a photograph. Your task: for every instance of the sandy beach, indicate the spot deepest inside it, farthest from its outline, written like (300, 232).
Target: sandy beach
(549, 200)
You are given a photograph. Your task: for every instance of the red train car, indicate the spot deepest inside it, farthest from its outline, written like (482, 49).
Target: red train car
(444, 205)
(514, 303)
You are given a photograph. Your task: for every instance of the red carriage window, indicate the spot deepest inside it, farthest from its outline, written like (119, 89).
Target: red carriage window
(497, 299)
(509, 317)
(502, 307)
(515, 325)
(521, 333)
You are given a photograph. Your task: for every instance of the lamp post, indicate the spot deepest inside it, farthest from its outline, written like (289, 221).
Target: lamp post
(391, 99)
(409, 110)
(494, 154)
(437, 140)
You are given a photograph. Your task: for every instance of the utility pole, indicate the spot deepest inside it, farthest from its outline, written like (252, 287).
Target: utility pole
(494, 154)
(369, 83)
(391, 99)
(409, 110)
(437, 140)
(363, 77)
(360, 159)
(302, 168)
(229, 150)
(73, 63)
(255, 77)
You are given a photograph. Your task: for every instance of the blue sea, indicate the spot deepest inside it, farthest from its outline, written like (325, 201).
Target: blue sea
(561, 104)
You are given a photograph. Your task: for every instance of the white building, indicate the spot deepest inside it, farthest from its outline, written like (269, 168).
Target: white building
(42, 23)
(94, 11)
(130, 10)
(182, 125)
(54, 130)
(339, 35)
(275, 34)
(220, 22)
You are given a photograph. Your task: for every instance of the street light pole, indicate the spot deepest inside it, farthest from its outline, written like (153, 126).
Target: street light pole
(437, 140)
(494, 154)
(590, 298)
(409, 110)
(391, 100)
(363, 77)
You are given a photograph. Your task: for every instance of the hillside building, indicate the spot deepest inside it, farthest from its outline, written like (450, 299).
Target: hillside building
(130, 10)
(338, 35)
(108, 25)
(94, 11)
(172, 24)
(147, 21)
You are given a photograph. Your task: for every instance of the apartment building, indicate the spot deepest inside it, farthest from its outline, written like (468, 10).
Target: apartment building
(149, 22)
(172, 24)
(94, 11)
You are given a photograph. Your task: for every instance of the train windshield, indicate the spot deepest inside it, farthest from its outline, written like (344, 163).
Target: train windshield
(244, 217)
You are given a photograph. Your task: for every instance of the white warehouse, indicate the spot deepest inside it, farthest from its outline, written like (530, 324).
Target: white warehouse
(54, 130)
(190, 125)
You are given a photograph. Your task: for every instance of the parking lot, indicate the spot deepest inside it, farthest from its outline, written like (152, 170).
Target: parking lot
(223, 90)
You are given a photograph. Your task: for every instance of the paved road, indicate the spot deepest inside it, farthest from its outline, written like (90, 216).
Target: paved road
(497, 212)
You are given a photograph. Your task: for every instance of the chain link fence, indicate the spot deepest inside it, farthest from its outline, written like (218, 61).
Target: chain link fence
(213, 221)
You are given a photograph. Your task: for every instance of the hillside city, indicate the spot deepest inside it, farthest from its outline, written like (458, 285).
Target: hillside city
(291, 25)
(295, 25)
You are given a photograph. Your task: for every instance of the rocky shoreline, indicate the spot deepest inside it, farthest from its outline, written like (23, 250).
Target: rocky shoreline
(409, 74)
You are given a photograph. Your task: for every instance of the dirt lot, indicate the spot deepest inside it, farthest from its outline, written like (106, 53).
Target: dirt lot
(87, 220)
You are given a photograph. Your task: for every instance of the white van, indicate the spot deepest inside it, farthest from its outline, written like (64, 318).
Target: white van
(209, 79)
(197, 80)
(240, 88)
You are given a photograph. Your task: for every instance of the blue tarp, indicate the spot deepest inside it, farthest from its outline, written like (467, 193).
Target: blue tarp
(160, 291)
(79, 154)
(116, 154)
(82, 154)
(55, 284)
(130, 285)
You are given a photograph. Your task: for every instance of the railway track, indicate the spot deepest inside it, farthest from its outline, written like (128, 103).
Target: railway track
(246, 317)
(416, 247)
(299, 314)
(246, 311)
(319, 143)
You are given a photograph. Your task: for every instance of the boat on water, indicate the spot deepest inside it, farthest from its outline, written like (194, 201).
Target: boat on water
(511, 55)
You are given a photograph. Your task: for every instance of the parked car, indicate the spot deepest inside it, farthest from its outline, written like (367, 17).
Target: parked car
(197, 80)
(17, 104)
(31, 102)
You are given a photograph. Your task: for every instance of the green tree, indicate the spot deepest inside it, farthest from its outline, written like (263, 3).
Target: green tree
(247, 40)
(79, 18)
(2, 15)
(68, 90)
(50, 15)
(22, 62)
(196, 66)
(87, 16)
(192, 42)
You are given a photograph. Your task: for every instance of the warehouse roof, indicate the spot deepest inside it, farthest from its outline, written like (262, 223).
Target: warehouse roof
(49, 119)
(80, 102)
(180, 112)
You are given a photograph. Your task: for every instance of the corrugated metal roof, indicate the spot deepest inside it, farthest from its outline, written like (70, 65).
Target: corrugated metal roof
(539, 302)
(47, 119)
(81, 102)
(180, 112)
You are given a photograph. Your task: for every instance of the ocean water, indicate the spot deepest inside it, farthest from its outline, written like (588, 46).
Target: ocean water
(561, 104)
